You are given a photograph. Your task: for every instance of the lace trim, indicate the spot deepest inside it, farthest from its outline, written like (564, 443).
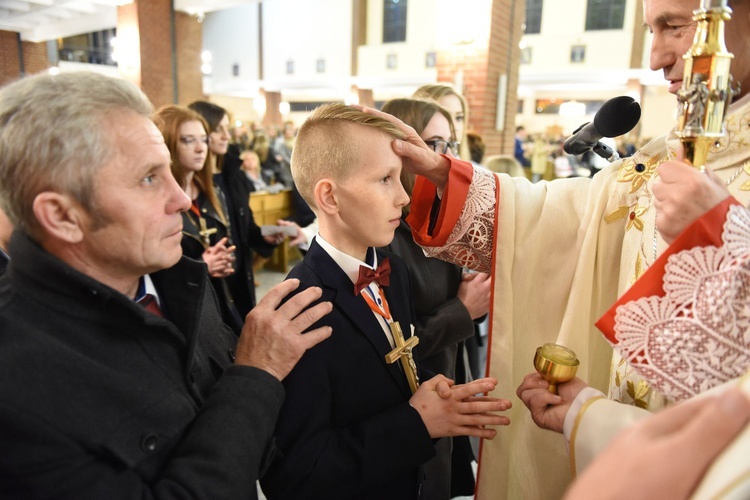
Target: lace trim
(470, 243)
(698, 335)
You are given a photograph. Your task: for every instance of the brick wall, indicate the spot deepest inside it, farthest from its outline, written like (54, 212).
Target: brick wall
(189, 47)
(273, 115)
(156, 50)
(34, 57)
(150, 23)
(482, 67)
(9, 68)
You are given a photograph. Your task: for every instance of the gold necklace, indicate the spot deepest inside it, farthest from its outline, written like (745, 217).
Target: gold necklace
(737, 173)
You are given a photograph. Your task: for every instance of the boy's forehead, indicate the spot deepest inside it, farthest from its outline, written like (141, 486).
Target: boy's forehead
(368, 137)
(374, 146)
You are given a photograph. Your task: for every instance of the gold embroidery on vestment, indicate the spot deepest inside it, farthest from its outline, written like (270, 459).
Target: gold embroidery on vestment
(638, 393)
(628, 172)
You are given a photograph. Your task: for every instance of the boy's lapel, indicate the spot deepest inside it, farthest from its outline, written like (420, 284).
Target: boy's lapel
(356, 309)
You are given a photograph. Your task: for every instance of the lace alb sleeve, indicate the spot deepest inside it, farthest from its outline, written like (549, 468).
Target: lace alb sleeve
(470, 243)
(698, 335)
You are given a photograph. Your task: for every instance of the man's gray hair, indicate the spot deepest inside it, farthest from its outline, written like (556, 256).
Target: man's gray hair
(54, 136)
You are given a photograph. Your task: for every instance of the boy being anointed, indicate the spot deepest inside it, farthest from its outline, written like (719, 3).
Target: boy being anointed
(354, 425)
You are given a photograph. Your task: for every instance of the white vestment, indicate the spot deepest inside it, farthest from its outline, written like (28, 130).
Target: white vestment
(728, 478)
(561, 253)
(685, 327)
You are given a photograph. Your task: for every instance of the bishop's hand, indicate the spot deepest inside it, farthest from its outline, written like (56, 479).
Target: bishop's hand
(417, 157)
(548, 410)
(682, 194)
(668, 452)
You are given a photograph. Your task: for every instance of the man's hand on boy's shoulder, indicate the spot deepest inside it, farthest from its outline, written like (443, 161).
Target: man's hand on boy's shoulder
(272, 337)
(456, 410)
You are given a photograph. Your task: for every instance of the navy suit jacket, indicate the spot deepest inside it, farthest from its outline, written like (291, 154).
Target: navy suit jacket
(346, 429)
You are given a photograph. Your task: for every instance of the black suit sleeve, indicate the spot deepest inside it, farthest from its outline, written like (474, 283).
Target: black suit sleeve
(325, 459)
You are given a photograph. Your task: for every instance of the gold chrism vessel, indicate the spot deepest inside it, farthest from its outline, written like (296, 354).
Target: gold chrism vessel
(556, 364)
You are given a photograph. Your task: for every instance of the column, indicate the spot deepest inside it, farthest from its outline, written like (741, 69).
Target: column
(159, 50)
(487, 70)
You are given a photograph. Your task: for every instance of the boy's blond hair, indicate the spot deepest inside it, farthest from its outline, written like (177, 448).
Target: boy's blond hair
(327, 146)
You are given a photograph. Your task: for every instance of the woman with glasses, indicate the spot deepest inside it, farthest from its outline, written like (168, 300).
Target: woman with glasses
(205, 234)
(446, 301)
(455, 104)
(476, 347)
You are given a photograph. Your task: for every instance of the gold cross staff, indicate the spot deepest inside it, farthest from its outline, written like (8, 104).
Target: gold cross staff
(205, 232)
(403, 351)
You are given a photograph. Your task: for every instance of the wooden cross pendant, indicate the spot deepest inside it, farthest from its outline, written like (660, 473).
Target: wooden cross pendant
(205, 232)
(403, 351)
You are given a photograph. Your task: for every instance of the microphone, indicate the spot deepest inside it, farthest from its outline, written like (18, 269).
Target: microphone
(616, 117)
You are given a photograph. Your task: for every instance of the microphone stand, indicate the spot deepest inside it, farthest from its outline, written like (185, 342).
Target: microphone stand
(706, 89)
(606, 152)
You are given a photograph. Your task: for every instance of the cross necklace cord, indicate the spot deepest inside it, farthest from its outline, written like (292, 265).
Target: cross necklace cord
(403, 348)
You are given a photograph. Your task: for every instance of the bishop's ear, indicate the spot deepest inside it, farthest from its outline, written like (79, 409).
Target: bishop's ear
(60, 216)
(326, 196)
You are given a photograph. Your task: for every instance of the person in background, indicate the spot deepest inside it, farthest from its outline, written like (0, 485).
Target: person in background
(452, 100)
(540, 157)
(118, 376)
(205, 229)
(251, 167)
(469, 361)
(476, 147)
(519, 149)
(241, 139)
(446, 300)
(236, 187)
(283, 147)
(270, 161)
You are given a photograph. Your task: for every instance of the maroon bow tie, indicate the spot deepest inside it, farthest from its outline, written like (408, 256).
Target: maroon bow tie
(381, 276)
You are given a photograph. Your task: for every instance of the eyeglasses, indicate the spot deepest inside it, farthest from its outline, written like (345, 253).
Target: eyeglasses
(442, 147)
(190, 140)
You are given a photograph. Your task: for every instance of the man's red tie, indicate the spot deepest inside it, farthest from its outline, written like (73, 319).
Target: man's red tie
(381, 276)
(149, 303)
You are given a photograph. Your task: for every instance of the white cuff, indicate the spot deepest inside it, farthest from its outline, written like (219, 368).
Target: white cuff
(575, 408)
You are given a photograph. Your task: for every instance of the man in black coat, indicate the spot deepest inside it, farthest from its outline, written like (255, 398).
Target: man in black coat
(118, 378)
(5, 229)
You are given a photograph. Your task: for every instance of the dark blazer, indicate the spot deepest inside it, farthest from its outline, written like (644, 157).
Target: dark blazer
(102, 399)
(247, 236)
(193, 246)
(442, 324)
(346, 429)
